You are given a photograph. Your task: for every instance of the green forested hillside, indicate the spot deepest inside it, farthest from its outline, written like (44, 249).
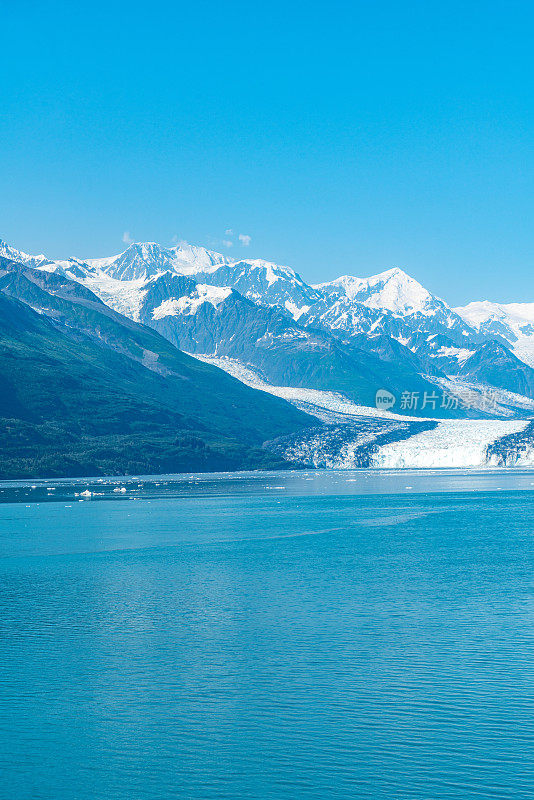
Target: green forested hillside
(84, 391)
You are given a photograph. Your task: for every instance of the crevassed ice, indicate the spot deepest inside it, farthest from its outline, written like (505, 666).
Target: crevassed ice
(453, 443)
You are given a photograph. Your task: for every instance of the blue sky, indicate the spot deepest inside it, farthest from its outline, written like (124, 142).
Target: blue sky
(340, 137)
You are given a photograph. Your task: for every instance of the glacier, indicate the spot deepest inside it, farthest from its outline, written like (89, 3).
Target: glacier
(322, 404)
(362, 334)
(353, 437)
(452, 443)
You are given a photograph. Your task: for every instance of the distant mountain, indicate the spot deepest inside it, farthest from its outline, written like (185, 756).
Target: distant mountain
(513, 322)
(355, 335)
(122, 278)
(392, 290)
(205, 319)
(395, 305)
(493, 364)
(391, 300)
(87, 391)
(11, 254)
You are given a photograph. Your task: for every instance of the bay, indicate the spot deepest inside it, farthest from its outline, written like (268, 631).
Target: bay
(282, 635)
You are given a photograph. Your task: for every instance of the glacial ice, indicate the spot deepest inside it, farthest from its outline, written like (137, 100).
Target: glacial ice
(453, 443)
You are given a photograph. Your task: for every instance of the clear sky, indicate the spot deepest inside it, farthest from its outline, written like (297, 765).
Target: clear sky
(340, 137)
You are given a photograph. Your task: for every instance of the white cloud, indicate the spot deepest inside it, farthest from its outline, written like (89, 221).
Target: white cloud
(126, 238)
(228, 232)
(227, 243)
(245, 239)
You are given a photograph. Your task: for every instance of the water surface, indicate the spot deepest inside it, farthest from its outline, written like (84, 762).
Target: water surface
(268, 636)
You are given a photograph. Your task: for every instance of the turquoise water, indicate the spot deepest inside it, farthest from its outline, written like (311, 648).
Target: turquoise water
(279, 636)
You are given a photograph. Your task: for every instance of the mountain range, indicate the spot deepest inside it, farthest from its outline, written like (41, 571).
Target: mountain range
(119, 364)
(512, 322)
(87, 391)
(350, 335)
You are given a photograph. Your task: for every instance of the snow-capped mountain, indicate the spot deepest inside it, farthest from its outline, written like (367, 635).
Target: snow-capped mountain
(86, 390)
(392, 290)
(144, 260)
(123, 278)
(513, 322)
(209, 320)
(396, 305)
(259, 280)
(391, 293)
(17, 255)
(358, 334)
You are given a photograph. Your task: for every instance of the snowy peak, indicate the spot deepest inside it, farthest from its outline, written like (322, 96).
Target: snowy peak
(140, 260)
(144, 260)
(392, 290)
(272, 272)
(13, 254)
(199, 259)
(481, 312)
(396, 291)
(514, 322)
